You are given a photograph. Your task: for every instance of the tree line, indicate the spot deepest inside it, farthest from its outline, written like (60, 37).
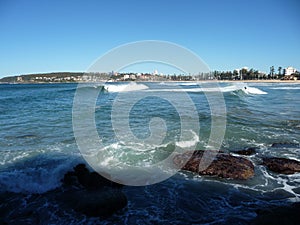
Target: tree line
(252, 74)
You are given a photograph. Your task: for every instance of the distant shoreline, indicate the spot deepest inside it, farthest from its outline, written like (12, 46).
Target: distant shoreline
(169, 81)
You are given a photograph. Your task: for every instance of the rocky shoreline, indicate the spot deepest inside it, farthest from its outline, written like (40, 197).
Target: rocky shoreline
(225, 165)
(89, 194)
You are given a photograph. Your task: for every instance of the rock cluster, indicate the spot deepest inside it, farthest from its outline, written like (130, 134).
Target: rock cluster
(225, 165)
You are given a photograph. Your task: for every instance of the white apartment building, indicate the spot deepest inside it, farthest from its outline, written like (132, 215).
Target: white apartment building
(289, 70)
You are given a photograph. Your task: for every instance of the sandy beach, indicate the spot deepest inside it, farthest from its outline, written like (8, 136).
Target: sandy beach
(261, 81)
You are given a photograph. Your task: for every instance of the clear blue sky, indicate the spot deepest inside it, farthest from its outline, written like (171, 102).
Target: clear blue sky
(46, 36)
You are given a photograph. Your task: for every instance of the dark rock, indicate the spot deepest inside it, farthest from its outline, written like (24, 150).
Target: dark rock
(278, 216)
(224, 165)
(90, 193)
(70, 178)
(97, 181)
(285, 145)
(96, 203)
(282, 165)
(247, 151)
(81, 176)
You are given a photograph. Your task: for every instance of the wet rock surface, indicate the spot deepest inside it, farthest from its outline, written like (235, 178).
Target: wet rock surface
(282, 165)
(224, 165)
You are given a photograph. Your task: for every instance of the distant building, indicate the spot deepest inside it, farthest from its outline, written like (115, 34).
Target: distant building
(133, 77)
(289, 71)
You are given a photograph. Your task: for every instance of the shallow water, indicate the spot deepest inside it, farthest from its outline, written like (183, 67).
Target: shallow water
(38, 146)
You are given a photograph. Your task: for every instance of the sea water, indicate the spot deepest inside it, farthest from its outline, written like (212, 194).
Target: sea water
(38, 146)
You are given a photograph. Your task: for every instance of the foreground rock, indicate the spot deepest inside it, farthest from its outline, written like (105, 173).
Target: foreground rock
(282, 165)
(82, 193)
(82, 177)
(91, 194)
(224, 165)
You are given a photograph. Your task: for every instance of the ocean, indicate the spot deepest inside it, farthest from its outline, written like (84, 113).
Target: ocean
(141, 124)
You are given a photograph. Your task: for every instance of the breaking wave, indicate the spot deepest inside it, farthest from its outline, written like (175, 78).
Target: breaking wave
(124, 87)
(190, 87)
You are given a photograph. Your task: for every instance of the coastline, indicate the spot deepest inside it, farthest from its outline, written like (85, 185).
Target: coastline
(223, 81)
(168, 81)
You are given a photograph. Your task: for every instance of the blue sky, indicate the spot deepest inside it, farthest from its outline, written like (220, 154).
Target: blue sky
(47, 36)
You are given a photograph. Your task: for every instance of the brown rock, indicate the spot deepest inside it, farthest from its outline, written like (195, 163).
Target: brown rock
(282, 165)
(224, 165)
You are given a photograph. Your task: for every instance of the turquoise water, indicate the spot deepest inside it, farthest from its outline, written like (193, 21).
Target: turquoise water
(37, 146)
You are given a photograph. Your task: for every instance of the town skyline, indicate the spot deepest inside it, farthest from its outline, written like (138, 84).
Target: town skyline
(244, 73)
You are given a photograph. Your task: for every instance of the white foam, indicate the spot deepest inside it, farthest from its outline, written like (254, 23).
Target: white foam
(139, 87)
(189, 143)
(34, 180)
(125, 87)
(254, 91)
(227, 89)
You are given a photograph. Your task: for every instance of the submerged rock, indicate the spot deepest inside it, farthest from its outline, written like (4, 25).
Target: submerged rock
(282, 165)
(285, 145)
(247, 151)
(27, 136)
(224, 165)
